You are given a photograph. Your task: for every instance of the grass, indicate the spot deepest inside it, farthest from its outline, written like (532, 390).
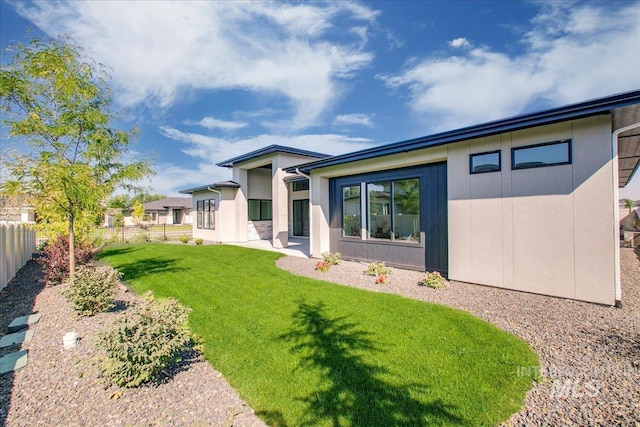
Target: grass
(307, 352)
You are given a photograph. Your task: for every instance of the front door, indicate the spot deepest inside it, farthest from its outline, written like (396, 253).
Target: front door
(176, 216)
(301, 217)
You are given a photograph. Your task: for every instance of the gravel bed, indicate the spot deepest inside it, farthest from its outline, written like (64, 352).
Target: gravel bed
(589, 354)
(62, 387)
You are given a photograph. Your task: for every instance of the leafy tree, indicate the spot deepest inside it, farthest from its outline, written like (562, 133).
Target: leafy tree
(138, 211)
(629, 204)
(57, 100)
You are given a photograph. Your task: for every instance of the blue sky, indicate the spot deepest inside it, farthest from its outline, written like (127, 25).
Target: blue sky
(206, 81)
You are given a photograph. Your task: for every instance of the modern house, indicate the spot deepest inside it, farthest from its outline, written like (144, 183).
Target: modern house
(528, 203)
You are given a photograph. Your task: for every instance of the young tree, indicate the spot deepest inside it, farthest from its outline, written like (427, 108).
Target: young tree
(138, 211)
(56, 99)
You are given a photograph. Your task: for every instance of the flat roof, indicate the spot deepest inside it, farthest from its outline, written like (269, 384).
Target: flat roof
(222, 184)
(271, 149)
(593, 107)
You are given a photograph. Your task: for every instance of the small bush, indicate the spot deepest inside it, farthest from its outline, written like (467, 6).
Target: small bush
(198, 241)
(139, 237)
(184, 239)
(382, 279)
(323, 266)
(377, 269)
(333, 259)
(55, 263)
(151, 336)
(91, 290)
(433, 280)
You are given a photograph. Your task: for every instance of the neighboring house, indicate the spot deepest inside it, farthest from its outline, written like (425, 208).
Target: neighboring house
(528, 203)
(20, 214)
(170, 210)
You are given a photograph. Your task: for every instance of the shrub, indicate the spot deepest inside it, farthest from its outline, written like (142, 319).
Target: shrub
(323, 266)
(91, 290)
(184, 239)
(433, 280)
(333, 259)
(55, 263)
(139, 237)
(377, 269)
(198, 241)
(146, 340)
(382, 279)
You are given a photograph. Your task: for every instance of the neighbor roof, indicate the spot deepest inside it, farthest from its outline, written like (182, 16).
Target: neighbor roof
(271, 149)
(593, 107)
(222, 184)
(166, 203)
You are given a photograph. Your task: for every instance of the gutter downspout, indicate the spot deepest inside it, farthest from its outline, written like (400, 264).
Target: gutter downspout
(616, 209)
(219, 210)
(310, 212)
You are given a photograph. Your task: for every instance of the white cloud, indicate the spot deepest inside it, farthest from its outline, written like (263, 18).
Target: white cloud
(354, 119)
(573, 52)
(460, 42)
(213, 123)
(158, 50)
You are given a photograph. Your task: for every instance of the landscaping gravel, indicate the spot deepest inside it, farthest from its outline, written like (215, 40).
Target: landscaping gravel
(589, 355)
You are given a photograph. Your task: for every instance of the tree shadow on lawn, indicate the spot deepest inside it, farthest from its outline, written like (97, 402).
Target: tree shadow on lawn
(145, 267)
(354, 392)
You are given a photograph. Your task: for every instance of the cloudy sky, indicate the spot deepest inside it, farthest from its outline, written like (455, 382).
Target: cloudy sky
(206, 81)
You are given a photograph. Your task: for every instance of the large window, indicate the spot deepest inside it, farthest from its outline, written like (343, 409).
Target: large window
(484, 162)
(351, 216)
(206, 214)
(394, 210)
(540, 155)
(259, 210)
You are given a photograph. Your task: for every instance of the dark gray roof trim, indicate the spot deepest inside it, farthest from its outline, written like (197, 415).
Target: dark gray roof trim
(270, 150)
(222, 184)
(569, 112)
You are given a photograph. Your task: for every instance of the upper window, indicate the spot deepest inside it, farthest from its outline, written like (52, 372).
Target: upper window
(300, 185)
(485, 162)
(259, 210)
(351, 216)
(540, 155)
(206, 214)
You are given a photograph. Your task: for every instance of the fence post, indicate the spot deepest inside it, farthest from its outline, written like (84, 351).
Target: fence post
(164, 232)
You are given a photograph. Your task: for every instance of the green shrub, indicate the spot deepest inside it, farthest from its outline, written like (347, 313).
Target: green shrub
(198, 241)
(140, 237)
(433, 280)
(322, 266)
(184, 239)
(147, 339)
(333, 259)
(377, 269)
(55, 262)
(92, 289)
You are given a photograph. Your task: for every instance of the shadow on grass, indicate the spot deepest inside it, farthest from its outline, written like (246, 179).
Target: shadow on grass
(108, 251)
(146, 267)
(353, 390)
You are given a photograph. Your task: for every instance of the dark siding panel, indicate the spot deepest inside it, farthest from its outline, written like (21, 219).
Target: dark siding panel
(431, 254)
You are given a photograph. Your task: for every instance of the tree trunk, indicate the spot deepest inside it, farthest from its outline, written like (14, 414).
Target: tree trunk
(72, 246)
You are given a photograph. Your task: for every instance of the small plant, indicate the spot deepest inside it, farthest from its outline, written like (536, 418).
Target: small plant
(198, 241)
(377, 269)
(140, 237)
(184, 239)
(323, 266)
(55, 263)
(333, 259)
(382, 279)
(145, 341)
(91, 290)
(433, 280)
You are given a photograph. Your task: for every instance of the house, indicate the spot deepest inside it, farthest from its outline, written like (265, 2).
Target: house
(16, 212)
(170, 210)
(528, 203)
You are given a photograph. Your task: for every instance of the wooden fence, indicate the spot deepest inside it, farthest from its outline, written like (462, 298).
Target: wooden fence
(17, 244)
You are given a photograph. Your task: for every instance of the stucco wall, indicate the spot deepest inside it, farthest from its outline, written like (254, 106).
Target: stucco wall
(545, 230)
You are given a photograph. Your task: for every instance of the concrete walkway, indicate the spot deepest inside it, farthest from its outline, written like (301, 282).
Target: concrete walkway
(298, 246)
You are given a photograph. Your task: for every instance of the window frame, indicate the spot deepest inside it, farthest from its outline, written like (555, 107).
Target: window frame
(342, 187)
(471, 156)
(262, 209)
(210, 213)
(306, 181)
(569, 160)
(392, 229)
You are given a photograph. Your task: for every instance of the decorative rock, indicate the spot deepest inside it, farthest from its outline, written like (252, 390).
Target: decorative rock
(13, 361)
(15, 338)
(23, 322)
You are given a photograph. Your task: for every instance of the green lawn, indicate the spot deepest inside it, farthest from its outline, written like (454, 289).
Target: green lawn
(306, 352)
